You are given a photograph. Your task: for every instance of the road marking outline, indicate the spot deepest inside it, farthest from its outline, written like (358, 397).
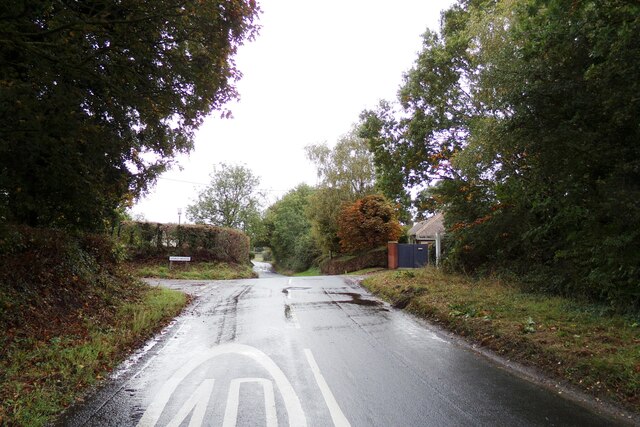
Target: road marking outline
(233, 400)
(291, 401)
(200, 400)
(339, 420)
(294, 318)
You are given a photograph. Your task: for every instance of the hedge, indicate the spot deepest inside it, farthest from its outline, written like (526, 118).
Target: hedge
(346, 264)
(147, 241)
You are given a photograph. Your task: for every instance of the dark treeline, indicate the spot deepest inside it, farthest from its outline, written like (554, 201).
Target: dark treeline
(97, 98)
(524, 119)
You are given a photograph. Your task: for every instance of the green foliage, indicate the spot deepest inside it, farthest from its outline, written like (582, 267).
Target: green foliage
(267, 255)
(97, 98)
(43, 261)
(412, 143)
(527, 112)
(348, 166)
(231, 200)
(145, 241)
(346, 173)
(323, 211)
(366, 224)
(46, 371)
(289, 230)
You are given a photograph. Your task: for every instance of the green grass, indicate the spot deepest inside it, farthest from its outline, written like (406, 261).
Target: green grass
(583, 343)
(366, 271)
(194, 271)
(40, 377)
(313, 271)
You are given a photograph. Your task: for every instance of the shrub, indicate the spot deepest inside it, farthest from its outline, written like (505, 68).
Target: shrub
(367, 223)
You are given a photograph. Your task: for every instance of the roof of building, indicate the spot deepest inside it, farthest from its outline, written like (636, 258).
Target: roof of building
(428, 228)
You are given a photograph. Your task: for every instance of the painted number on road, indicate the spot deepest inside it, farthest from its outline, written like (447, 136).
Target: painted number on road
(198, 402)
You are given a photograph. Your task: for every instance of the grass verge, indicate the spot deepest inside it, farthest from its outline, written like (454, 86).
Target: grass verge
(193, 270)
(43, 373)
(584, 344)
(366, 271)
(313, 271)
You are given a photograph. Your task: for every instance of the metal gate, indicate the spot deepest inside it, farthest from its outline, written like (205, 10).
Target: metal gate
(412, 256)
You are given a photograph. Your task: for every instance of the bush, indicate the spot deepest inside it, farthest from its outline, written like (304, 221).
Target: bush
(52, 270)
(367, 223)
(146, 241)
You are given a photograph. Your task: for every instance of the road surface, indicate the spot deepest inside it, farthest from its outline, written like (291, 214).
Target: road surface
(316, 351)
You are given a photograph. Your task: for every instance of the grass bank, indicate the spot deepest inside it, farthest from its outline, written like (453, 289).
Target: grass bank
(583, 344)
(68, 315)
(44, 373)
(193, 270)
(313, 271)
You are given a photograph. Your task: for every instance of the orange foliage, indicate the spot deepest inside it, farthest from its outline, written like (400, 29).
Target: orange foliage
(368, 223)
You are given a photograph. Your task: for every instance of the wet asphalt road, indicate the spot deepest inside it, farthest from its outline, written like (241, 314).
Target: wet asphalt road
(316, 351)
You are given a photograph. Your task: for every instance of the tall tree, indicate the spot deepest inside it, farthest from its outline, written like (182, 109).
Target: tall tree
(413, 141)
(289, 230)
(97, 98)
(346, 173)
(347, 166)
(527, 113)
(232, 200)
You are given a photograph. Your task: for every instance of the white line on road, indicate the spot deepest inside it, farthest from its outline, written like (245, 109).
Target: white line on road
(294, 318)
(198, 400)
(339, 420)
(289, 396)
(233, 400)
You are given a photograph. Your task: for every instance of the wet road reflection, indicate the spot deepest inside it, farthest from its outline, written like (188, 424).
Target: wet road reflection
(313, 351)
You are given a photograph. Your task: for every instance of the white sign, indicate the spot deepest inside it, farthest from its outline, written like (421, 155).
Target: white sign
(179, 258)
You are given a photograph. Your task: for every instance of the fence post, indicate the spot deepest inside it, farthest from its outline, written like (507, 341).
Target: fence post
(392, 250)
(437, 249)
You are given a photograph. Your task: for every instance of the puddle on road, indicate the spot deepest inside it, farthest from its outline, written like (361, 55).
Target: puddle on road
(293, 288)
(357, 300)
(287, 312)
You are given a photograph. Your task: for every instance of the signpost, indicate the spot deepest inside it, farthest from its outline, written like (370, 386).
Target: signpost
(178, 259)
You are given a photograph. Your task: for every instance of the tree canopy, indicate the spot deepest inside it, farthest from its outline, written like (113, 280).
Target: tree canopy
(346, 173)
(367, 223)
(289, 231)
(231, 200)
(525, 113)
(98, 97)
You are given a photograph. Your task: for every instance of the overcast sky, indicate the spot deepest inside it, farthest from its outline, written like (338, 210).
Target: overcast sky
(312, 69)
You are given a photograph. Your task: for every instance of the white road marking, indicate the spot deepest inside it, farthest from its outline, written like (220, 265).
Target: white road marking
(289, 291)
(339, 420)
(289, 396)
(231, 411)
(199, 399)
(294, 318)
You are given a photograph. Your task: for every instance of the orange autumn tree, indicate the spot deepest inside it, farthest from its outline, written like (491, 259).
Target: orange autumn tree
(367, 223)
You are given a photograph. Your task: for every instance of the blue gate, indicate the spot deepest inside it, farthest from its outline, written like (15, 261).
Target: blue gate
(412, 256)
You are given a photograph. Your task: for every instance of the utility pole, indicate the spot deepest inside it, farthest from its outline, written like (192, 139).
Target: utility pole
(178, 231)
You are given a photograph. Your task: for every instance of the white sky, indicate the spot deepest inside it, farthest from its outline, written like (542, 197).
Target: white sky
(313, 68)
